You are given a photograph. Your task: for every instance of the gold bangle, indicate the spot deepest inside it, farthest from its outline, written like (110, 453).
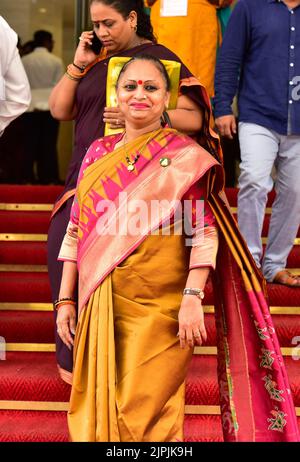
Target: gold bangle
(71, 77)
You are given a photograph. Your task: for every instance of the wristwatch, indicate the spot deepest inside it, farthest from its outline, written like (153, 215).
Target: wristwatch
(194, 291)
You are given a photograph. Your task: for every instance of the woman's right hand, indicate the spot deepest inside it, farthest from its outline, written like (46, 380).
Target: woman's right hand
(66, 324)
(84, 55)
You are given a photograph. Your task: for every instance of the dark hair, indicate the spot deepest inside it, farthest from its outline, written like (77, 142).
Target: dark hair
(153, 59)
(124, 7)
(27, 48)
(41, 37)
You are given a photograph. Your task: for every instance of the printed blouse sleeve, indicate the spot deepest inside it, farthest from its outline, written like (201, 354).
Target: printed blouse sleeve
(203, 227)
(69, 248)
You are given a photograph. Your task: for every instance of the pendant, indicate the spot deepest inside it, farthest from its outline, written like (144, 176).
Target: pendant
(130, 168)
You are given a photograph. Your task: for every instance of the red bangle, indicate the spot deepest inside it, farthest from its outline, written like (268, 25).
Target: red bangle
(59, 305)
(64, 301)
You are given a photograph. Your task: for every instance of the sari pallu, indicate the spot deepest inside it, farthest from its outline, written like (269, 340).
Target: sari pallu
(256, 402)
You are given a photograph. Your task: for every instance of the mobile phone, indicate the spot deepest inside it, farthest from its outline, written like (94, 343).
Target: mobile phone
(96, 44)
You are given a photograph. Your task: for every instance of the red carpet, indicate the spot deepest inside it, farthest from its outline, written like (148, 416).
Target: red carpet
(23, 253)
(33, 427)
(25, 287)
(38, 327)
(30, 380)
(12, 194)
(34, 287)
(32, 377)
(26, 223)
(27, 327)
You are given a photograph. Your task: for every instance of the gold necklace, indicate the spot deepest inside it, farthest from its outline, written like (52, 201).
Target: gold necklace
(131, 163)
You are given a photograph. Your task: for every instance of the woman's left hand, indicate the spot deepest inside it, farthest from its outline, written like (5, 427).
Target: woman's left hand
(191, 322)
(114, 117)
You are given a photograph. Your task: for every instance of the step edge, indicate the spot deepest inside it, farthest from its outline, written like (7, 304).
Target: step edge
(50, 347)
(64, 407)
(34, 406)
(30, 307)
(12, 268)
(208, 309)
(28, 347)
(20, 237)
(25, 207)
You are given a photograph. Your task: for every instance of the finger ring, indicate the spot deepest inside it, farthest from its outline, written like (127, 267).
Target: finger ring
(117, 122)
(80, 38)
(197, 335)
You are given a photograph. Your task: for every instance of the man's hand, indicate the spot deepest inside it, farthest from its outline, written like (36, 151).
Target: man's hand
(226, 125)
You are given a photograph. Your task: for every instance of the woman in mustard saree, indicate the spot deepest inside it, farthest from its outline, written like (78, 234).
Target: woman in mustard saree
(141, 281)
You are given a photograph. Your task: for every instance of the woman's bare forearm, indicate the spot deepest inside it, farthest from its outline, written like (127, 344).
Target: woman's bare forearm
(186, 120)
(69, 280)
(197, 278)
(62, 99)
(187, 117)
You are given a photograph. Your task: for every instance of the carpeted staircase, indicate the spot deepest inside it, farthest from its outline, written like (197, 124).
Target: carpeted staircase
(33, 399)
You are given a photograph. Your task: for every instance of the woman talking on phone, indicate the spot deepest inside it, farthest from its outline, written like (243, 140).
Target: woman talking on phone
(124, 30)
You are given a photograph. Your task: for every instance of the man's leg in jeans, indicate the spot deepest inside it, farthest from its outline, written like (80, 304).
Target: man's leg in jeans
(259, 149)
(285, 218)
